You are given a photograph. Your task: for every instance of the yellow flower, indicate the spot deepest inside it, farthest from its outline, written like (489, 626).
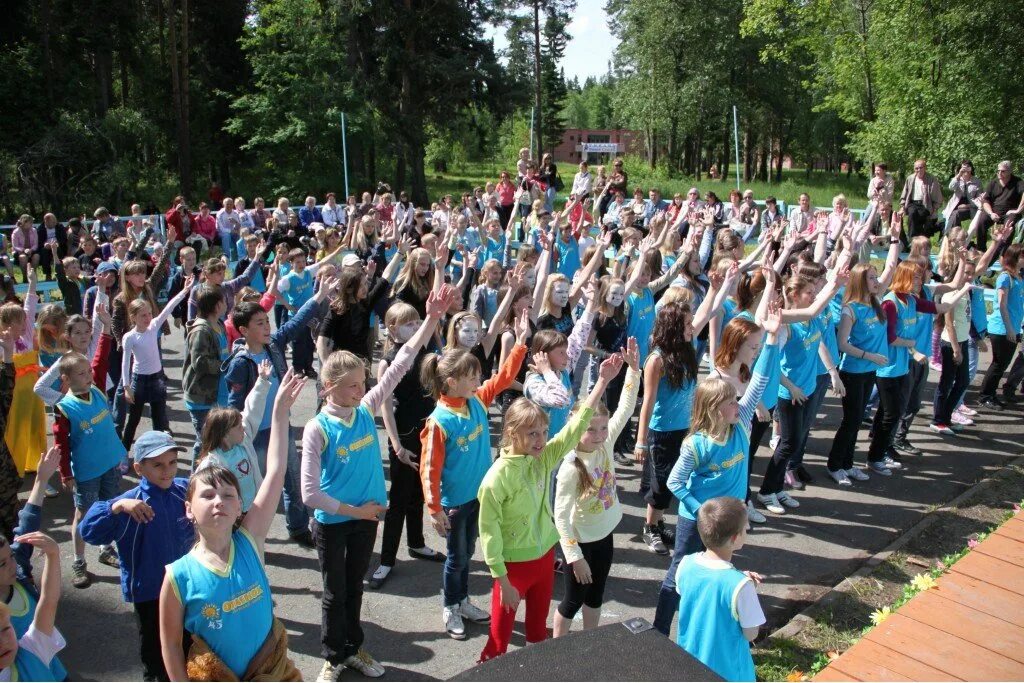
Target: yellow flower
(880, 615)
(796, 675)
(923, 582)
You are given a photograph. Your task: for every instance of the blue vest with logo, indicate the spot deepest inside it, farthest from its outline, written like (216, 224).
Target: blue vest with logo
(28, 667)
(23, 611)
(799, 357)
(95, 448)
(351, 470)
(640, 320)
(300, 288)
(906, 325)
(719, 467)
(922, 332)
(868, 335)
(231, 610)
(467, 450)
(709, 625)
(672, 405)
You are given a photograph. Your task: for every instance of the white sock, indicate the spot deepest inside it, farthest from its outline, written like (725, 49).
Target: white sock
(79, 558)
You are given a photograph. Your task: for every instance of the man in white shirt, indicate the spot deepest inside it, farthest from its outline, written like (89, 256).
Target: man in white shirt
(228, 225)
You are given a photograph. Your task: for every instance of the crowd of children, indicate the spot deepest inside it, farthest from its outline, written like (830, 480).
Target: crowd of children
(565, 324)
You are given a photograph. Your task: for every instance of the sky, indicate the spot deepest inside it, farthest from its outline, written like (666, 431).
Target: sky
(592, 44)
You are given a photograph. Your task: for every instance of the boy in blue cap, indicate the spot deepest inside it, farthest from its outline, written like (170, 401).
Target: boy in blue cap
(149, 526)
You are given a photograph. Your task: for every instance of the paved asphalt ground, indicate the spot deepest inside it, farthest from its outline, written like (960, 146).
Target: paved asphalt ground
(801, 554)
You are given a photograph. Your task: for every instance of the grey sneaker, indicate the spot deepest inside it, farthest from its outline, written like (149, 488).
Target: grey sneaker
(365, 664)
(329, 672)
(879, 468)
(108, 556)
(470, 611)
(652, 537)
(80, 575)
(453, 622)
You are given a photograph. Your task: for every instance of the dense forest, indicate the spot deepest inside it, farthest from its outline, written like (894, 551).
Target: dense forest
(110, 101)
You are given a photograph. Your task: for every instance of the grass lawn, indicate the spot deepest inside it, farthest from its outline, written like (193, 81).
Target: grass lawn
(819, 185)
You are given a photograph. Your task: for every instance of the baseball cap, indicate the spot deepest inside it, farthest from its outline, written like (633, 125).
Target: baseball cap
(152, 444)
(351, 260)
(106, 267)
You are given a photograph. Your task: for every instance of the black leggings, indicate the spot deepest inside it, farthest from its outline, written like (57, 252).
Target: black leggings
(757, 431)
(893, 395)
(598, 555)
(795, 420)
(858, 391)
(405, 503)
(1002, 354)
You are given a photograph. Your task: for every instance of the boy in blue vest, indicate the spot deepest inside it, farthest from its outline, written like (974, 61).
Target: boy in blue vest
(296, 289)
(719, 613)
(148, 524)
(91, 452)
(241, 369)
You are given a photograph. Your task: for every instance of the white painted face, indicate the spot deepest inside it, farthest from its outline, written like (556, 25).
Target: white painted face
(469, 333)
(530, 278)
(616, 295)
(406, 331)
(560, 294)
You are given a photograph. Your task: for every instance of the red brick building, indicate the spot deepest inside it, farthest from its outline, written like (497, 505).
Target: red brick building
(570, 149)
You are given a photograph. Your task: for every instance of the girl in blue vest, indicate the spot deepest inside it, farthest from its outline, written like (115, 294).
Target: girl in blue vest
(862, 341)
(484, 299)
(296, 288)
(918, 371)
(343, 481)
(495, 244)
(549, 383)
(1004, 325)
(713, 458)
(30, 657)
(456, 455)
(219, 591)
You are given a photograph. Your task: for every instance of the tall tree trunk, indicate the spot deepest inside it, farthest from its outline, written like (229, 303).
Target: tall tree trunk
(749, 160)
(538, 124)
(726, 148)
(179, 89)
(412, 118)
(44, 20)
(673, 142)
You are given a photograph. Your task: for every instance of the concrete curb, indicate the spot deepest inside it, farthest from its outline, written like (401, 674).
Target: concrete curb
(802, 620)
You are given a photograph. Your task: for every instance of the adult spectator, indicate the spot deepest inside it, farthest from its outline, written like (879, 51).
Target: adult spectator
(505, 190)
(771, 214)
(385, 209)
(965, 187)
(614, 211)
(403, 211)
(228, 225)
(582, 182)
(881, 186)
(205, 226)
(283, 213)
(260, 213)
(25, 245)
(617, 182)
(653, 205)
(801, 216)
(244, 217)
(921, 200)
(309, 214)
(333, 214)
(548, 174)
(1002, 200)
(50, 231)
(106, 228)
(75, 233)
(184, 222)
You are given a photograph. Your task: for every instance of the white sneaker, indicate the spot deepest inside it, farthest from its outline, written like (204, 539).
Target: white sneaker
(754, 515)
(857, 474)
(365, 664)
(470, 611)
(880, 468)
(771, 503)
(787, 500)
(840, 477)
(329, 672)
(892, 464)
(453, 622)
(773, 442)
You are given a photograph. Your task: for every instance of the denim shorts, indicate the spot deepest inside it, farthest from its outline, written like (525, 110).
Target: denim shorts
(103, 487)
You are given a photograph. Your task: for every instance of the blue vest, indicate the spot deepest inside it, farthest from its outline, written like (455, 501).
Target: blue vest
(829, 319)
(559, 417)
(709, 626)
(798, 357)
(232, 610)
(222, 383)
(467, 450)
(922, 332)
(95, 448)
(22, 619)
(494, 250)
(640, 320)
(568, 257)
(906, 325)
(868, 335)
(672, 405)
(719, 468)
(351, 470)
(28, 667)
(979, 314)
(300, 288)
(1014, 287)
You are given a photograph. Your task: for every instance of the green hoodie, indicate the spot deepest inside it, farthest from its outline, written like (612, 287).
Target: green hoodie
(515, 507)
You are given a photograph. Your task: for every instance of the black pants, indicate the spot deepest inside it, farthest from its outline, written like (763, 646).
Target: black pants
(952, 383)
(148, 615)
(893, 394)
(46, 262)
(918, 220)
(151, 389)
(505, 214)
(757, 431)
(405, 503)
(598, 555)
(982, 235)
(858, 391)
(658, 465)
(795, 425)
(344, 551)
(1016, 376)
(302, 351)
(918, 378)
(1002, 354)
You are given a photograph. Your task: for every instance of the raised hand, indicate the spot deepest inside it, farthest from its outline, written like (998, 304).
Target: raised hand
(610, 367)
(521, 327)
(541, 364)
(266, 369)
(773, 320)
(631, 354)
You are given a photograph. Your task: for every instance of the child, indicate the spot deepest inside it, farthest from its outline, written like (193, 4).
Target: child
(17, 590)
(405, 414)
(456, 455)
(214, 270)
(719, 613)
(149, 526)
(206, 348)
(1004, 325)
(587, 508)
(187, 257)
(219, 591)
(713, 459)
(484, 299)
(69, 280)
(91, 452)
(297, 288)
(343, 481)
(258, 281)
(256, 345)
(31, 657)
(516, 531)
(227, 441)
(80, 336)
(145, 382)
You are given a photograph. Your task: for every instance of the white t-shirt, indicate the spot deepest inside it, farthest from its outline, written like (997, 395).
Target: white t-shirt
(43, 646)
(747, 604)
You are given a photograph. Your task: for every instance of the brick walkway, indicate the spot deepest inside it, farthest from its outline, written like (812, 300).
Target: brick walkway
(969, 627)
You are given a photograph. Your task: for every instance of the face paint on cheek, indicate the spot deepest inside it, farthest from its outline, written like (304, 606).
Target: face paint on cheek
(560, 295)
(469, 336)
(405, 332)
(615, 298)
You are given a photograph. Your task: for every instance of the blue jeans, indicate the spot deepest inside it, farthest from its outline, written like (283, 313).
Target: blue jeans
(462, 533)
(687, 542)
(972, 365)
(227, 244)
(103, 487)
(296, 516)
(549, 198)
(198, 417)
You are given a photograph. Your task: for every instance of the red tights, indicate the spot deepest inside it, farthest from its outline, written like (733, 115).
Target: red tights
(535, 582)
